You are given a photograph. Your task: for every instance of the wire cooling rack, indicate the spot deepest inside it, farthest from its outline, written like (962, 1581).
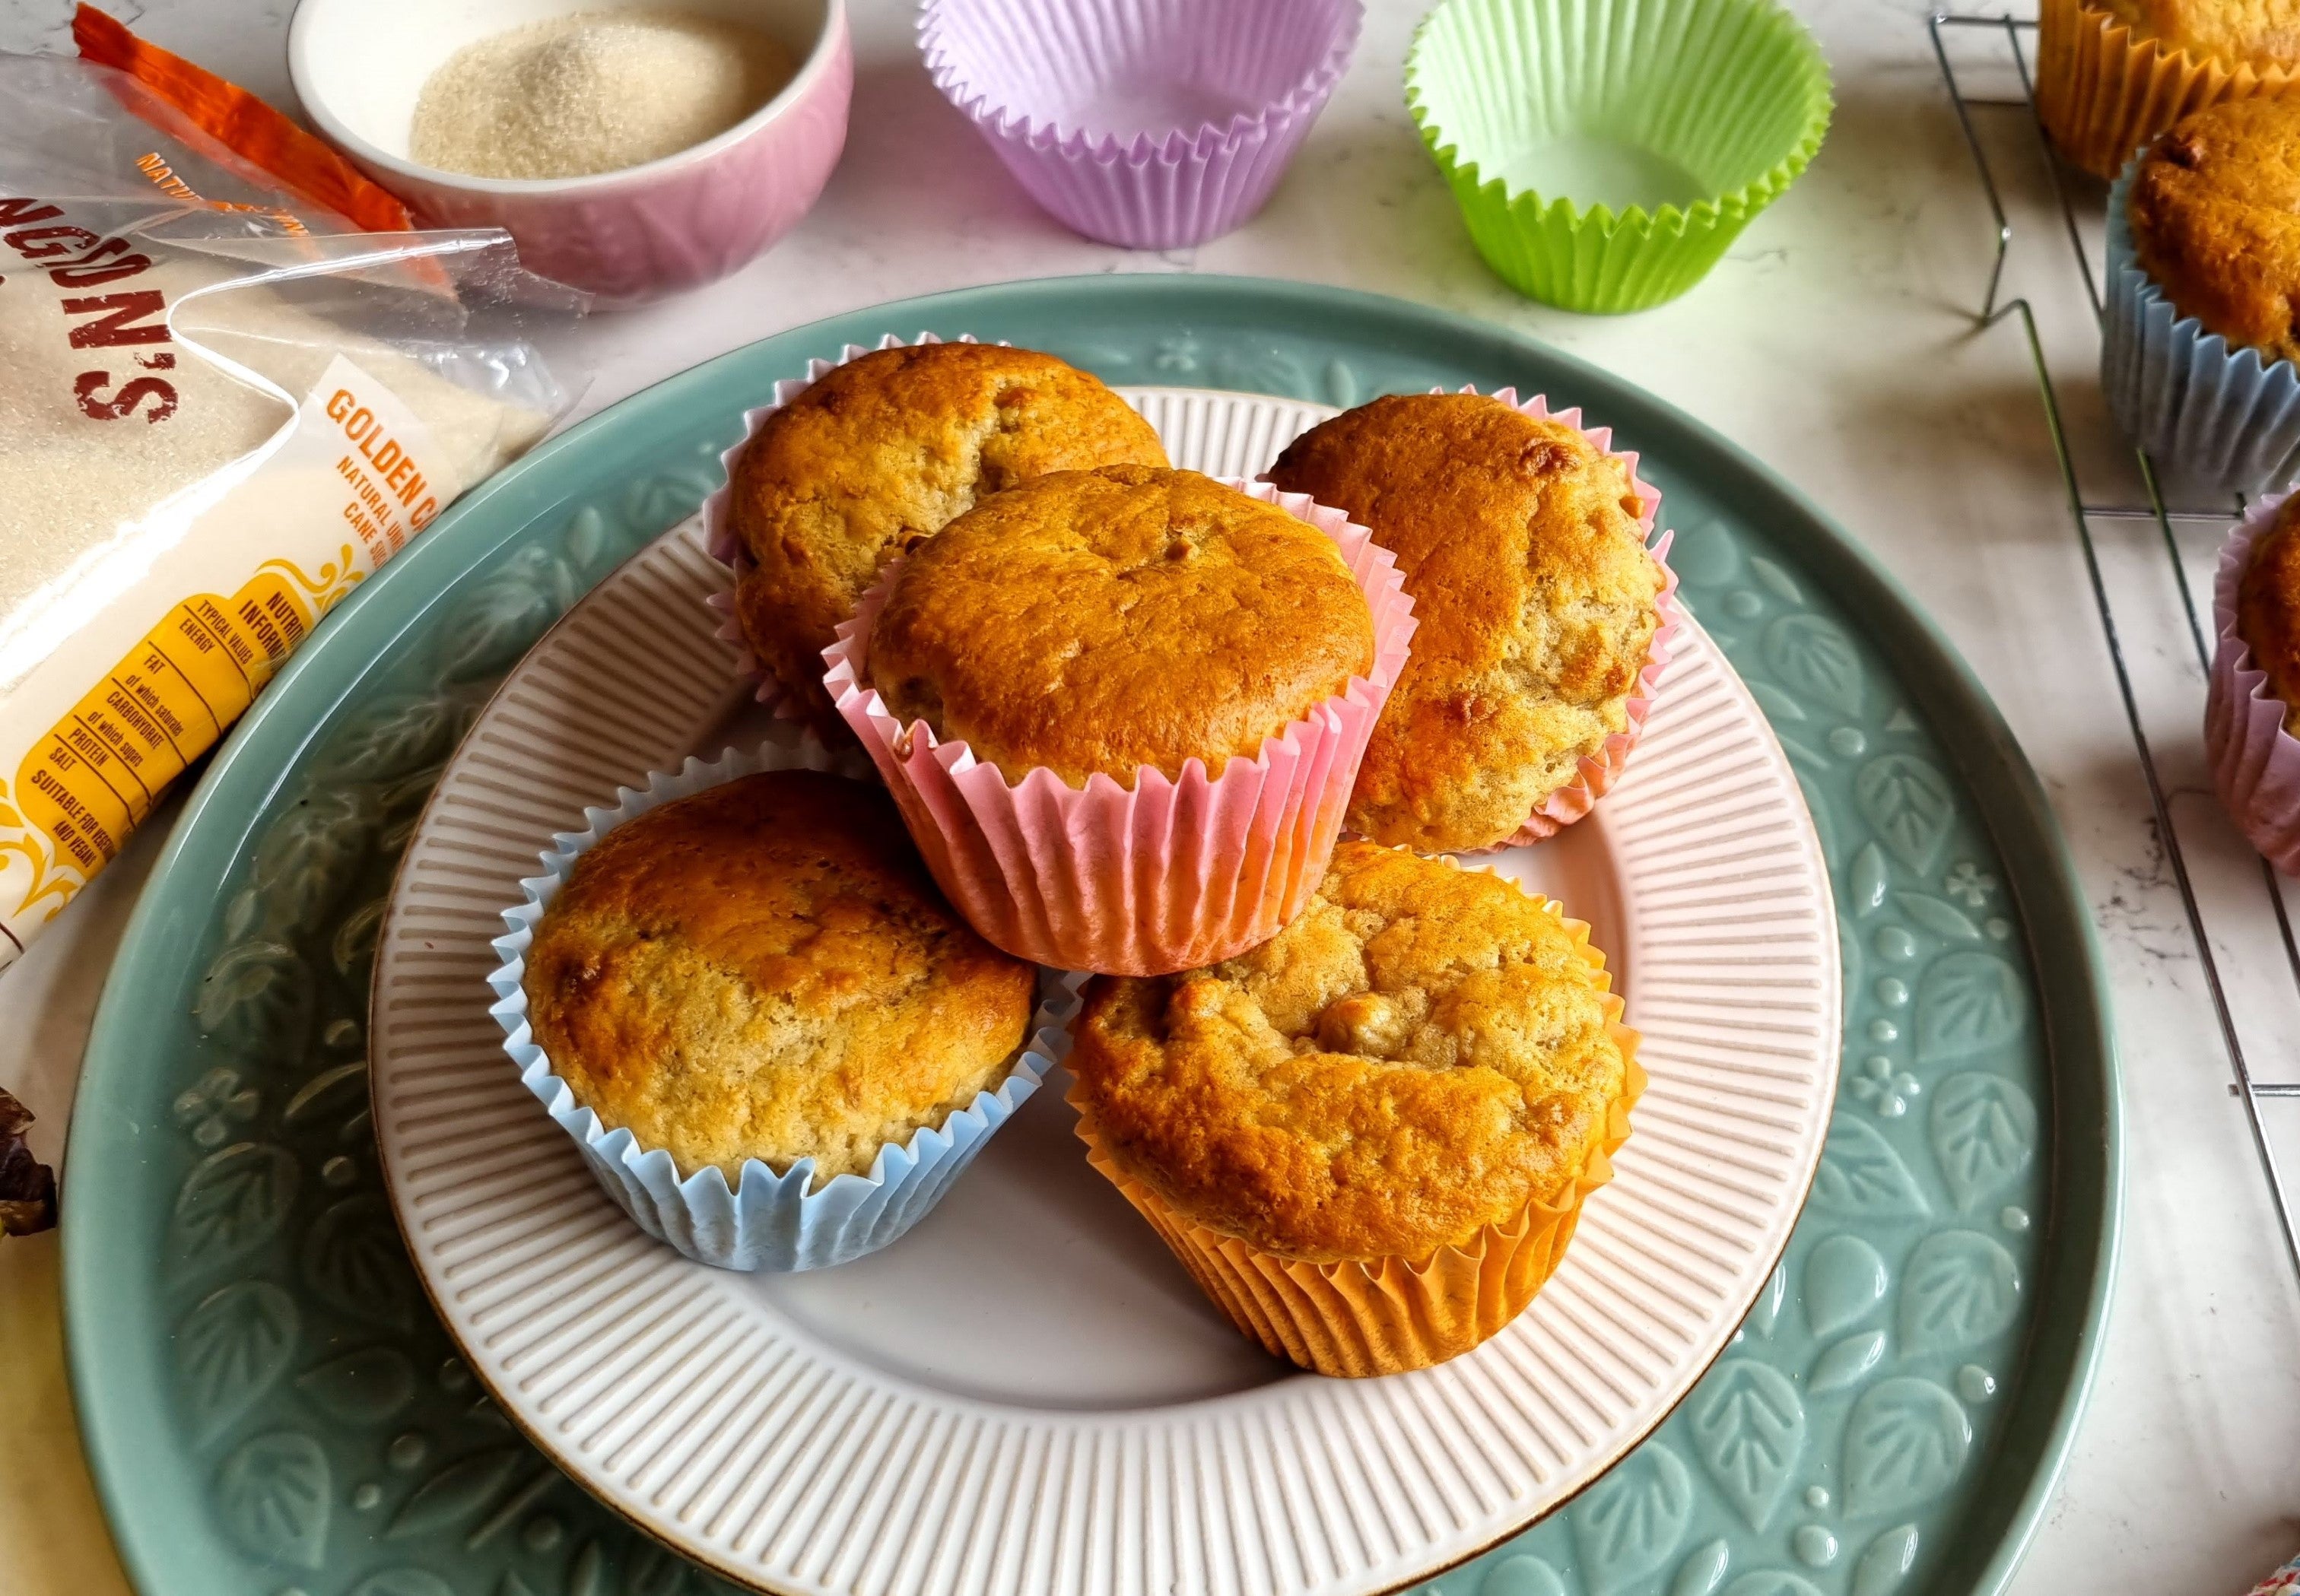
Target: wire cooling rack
(2228, 894)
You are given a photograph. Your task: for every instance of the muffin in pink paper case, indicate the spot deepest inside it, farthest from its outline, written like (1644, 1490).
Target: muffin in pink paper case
(1151, 124)
(868, 455)
(1080, 631)
(2255, 757)
(1545, 609)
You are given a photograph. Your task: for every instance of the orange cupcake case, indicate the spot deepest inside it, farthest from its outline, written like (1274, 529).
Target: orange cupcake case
(2104, 89)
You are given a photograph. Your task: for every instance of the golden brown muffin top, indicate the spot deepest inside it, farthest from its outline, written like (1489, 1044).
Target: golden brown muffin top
(2263, 32)
(1534, 597)
(1423, 1052)
(1103, 620)
(2267, 608)
(880, 454)
(2215, 219)
(765, 971)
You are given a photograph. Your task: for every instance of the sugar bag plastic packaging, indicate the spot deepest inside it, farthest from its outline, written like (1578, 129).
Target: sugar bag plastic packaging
(222, 405)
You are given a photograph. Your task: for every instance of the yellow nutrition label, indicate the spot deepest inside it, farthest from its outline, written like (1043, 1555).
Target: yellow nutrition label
(99, 730)
(98, 771)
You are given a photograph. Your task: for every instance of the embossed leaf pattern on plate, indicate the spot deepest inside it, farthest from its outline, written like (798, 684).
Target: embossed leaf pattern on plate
(1862, 1177)
(1962, 1288)
(1631, 1521)
(1984, 1130)
(1906, 1441)
(236, 1201)
(1811, 655)
(354, 1262)
(1748, 1428)
(1908, 802)
(1969, 1003)
(233, 1348)
(272, 1493)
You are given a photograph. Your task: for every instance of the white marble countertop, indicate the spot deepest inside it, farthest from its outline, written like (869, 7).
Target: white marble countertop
(1837, 342)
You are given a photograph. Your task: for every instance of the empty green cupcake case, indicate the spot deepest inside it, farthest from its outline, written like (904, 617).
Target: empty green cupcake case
(1659, 127)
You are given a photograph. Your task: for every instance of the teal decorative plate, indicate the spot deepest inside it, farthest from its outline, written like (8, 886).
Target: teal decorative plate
(271, 1407)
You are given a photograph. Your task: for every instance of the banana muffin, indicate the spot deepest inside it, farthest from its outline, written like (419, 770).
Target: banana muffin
(2267, 608)
(1536, 600)
(877, 456)
(764, 970)
(2215, 219)
(1425, 1053)
(2261, 32)
(1103, 620)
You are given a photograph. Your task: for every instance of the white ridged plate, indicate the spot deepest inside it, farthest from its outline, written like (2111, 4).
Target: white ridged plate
(1027, 1395)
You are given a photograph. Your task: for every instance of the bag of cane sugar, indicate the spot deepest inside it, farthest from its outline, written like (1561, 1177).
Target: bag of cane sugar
(221, 407)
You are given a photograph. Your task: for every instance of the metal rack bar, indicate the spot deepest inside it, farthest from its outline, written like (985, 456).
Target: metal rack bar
(1991, 313)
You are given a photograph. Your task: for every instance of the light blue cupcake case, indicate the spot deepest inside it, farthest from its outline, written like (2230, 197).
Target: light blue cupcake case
(766, 1221)
(2224, 416)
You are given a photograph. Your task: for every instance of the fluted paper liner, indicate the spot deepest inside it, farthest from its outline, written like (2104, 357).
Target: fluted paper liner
(2103, 90)
(765, 1221)
(1733, 93)
(2220, 414)
(2255, 762)
(719, 534)
(1384, 1315)
(1600, 770)
(1019, 68)
(1170, 875)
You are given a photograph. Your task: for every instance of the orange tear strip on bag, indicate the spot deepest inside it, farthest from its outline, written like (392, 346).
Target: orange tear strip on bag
(242, 123)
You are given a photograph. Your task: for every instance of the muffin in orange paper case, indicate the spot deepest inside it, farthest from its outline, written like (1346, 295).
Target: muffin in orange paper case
(1369, 1139)
(1545, 609)
(868, 455)
(2106, 86)
(1122, 708)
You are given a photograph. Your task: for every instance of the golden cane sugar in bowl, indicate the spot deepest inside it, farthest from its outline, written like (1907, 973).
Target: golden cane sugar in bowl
(631, 150)
(1099, 622)
(597, 91)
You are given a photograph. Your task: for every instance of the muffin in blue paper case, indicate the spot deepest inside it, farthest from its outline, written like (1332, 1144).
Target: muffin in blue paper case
(762, 1221)
(2225, 415)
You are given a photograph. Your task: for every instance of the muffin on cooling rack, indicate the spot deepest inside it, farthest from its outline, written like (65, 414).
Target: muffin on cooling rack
(877, 455)
(1122, 709)
(2113, 74)
(764, 970)
(1523, 543)
(2251, 710)
(1369, 1139)
(2203, 269)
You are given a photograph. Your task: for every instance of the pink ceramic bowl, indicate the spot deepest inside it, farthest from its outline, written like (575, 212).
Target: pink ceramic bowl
(623, 236)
